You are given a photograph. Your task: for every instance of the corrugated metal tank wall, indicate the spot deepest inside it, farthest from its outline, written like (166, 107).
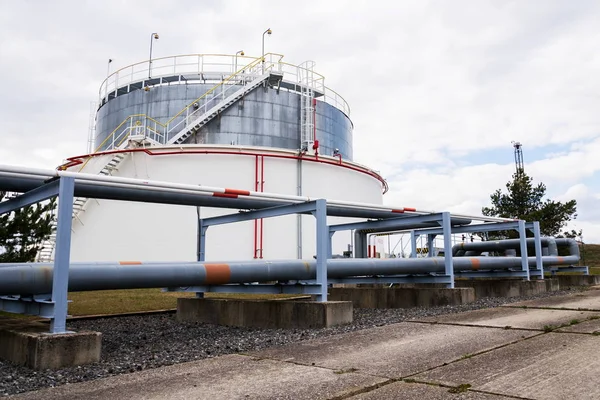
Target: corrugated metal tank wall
(265, 117)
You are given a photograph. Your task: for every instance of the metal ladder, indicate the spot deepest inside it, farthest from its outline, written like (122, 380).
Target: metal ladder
(307, 106)
(46, 253)
(202, 120)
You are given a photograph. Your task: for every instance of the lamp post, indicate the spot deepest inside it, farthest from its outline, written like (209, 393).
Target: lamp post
(241, 53)
(108, 67)
(267, 32)
(152, 37)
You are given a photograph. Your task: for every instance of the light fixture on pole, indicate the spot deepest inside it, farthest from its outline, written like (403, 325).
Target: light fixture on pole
(241, 53)
(108, 67)
(267, 32)
(152, 37)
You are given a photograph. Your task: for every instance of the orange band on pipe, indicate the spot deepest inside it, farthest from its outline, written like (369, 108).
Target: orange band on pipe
(217, 274)
(397, 211)
(237, 191)
(228, 195)
(560, 260)
(130, 262)
(475, 264)
(410, 209)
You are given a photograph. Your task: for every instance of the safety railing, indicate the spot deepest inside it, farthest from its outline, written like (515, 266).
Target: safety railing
(213, 96)
(211, 68)
(163, 132)
(138, 125)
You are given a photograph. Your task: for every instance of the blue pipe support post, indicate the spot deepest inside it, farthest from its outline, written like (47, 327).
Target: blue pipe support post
(297, 208)
(64, 187)
(320, 214)
(391, 223)
(413, 244)
(523, 247)
(317, 208)
(430, 245)
(202, 227)
(448, 262)
(60, 276)
(539, 264)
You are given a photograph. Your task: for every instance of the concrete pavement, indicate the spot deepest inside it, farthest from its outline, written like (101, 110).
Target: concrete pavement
(548, 350)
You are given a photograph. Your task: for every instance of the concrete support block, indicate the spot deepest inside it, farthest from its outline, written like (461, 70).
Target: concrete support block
(552, 284)
(384, 297)
(29, 344)
(503, 288)
(264, 313)
(568, 281)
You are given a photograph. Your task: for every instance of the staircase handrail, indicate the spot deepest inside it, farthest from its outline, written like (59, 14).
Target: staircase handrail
(168, 129)
(173, 65)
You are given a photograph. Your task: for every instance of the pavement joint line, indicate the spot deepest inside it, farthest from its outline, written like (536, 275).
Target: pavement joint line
(504, 328)
(364, 389)
(553, 308)
(471, 389)
(314, 365)
(469, 356)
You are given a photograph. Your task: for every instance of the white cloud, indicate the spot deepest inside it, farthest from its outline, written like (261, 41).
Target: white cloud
(431, 84)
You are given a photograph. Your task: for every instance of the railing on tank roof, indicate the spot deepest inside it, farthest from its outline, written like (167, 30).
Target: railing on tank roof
(210, 67)
(160, 132)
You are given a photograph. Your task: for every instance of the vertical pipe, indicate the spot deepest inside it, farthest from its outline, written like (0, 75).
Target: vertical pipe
(60, 277)
(202, 243)
(322, 238)
(413, 244)
(329, 245)
(299, 216)
(199, 231)
(538, 249)
(255, 250)
(360, 244)
(523, 240)
(314, 119)
(430, 245)
(448, 263)
(262, 189)
(201, 247)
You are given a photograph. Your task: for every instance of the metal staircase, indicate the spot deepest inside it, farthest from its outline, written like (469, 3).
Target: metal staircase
(46, 253)
(196, 124)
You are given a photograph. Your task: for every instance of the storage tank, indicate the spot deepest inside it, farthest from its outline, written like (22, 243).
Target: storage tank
(258, 124)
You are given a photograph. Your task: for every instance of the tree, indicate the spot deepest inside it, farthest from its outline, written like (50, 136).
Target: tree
(525, 201)
(22, 232)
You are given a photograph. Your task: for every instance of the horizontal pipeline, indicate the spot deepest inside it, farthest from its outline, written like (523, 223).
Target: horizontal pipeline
(36, 278)
(499, 245)
(101, 180)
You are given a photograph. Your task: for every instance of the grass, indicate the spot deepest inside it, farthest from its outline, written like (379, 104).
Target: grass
(345, 371)
(548, 328)
(136, 300)
(590, 254)
(463, 387)
(122, 301)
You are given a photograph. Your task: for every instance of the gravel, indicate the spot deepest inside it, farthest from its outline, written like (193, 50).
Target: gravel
(136, 343)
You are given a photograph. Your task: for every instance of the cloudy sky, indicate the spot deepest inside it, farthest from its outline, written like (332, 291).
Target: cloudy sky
(438, 89)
